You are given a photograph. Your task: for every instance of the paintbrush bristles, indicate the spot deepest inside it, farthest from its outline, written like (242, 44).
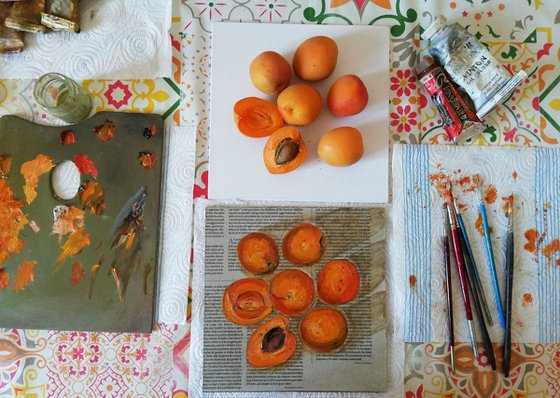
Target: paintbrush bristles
(509, 212)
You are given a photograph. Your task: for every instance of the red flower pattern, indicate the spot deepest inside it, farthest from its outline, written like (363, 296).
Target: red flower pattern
(403, 83)
(403, 118)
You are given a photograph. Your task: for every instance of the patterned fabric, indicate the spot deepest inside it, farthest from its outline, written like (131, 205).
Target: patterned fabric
(522, 34)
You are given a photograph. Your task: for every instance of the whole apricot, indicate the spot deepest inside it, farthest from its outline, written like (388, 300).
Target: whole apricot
(338, 282)
(292, 292)
(342, 146)
(258, 253)
(347, 96)
(323, 330)
(270, 72)
(299, 104)
(315, 58)
(304, 244)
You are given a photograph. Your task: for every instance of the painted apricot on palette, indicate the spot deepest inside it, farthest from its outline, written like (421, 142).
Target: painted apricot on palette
(284, 151)
(256, 117)
(303, 245)
(338, 282)
(247, 301)
(323, 330)
(258, 253)
(271, 344)
(292, 292)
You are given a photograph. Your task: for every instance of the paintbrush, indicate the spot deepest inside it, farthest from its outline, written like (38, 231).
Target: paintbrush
(490, 253)
(469, 267)
(467, 253)
(462, 273)
(509, 285)
(447, 262)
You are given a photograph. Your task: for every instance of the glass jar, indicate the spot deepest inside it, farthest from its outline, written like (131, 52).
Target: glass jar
(62, 97)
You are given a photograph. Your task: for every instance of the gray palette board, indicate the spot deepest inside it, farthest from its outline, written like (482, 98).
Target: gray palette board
(51, 301)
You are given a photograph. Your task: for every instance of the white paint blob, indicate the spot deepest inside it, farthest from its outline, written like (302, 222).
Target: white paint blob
(65, 180)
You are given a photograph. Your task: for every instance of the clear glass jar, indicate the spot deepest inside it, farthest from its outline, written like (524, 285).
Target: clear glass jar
(62, 97)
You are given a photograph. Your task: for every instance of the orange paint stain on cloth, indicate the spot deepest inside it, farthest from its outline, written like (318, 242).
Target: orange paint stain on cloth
(441, 181)
(75, 243)
(12, 221)
(506, 202)
(31, 171)
(25, 274)
(527, 299)
(412, 281)
(467, 184)
(531, 235)
(491, 195)
(478, 225)
(77, 273)
(551, 249)
(68, 220)
(4, 279)
(514, 175)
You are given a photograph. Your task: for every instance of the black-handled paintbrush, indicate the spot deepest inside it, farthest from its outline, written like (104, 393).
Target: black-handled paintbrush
(509, 286)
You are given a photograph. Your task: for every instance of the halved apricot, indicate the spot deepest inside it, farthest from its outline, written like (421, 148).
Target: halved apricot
(258, 253)
(338, 282)
(271, 344)
(284, 151)
(323, 330)
(247, 301)
(292, 292)
(257, 117)
(304, 244)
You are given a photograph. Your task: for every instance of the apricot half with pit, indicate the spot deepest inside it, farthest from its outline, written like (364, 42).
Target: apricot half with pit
(247, 301)
(271, 344)
(270, 72)
(315, 58)
(256, 117)
(258, 253)
(292, 292)
(304, 244)
(323, 330)
(284, 151)
(338, 282)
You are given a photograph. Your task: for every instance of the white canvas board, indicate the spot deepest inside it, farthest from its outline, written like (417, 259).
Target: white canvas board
(237, 170)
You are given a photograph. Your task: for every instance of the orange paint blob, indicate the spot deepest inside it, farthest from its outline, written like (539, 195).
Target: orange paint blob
(501, 6)
(147, 160)
(527, 299)
(67, 137)
(92, 197)
(77, 273)
(506, 202)
(5, 165)
(478, 224)
(453, 5)
(31, 171)
(491, 194)
(25, 274)
(68, 220)
(4, 279)
(441, 181)
(75, 243)
(106, 131)
(12, 221)
(551, 249)
(412, 281)
(514, 175)
(85, 165)
(531, 235)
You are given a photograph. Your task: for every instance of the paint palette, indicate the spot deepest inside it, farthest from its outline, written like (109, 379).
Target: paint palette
(88, 261)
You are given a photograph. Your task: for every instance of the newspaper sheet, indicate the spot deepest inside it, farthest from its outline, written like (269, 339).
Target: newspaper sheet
(360, 365)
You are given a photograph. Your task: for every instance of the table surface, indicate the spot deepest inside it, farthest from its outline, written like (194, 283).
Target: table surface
(521, 34)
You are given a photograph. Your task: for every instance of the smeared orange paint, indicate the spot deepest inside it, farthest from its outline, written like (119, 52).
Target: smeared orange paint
(478, 225)
(77, 273)
(25, 274)
(93, 273)
(12, 221)
(147, 160)
(514, 175)
(68, 221)
(491, 194)
(531, 235)
(527, 299)
(106, 131)
(73, 245)
(4, 279)
(5, 165)
(92, 197)
(31, 171)
(412, 281)
(85, 165)
(468, 183)
(441, 181)
(551, 249)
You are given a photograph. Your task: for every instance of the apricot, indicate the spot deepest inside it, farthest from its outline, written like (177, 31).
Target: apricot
(342, 146)
(284, 151)
(347, 96)
(338, 282)
(303, 245)
(247, 301)
(299, 104)
(315, 58)
(292, 292)
(271, 344)
(270, 72)
(256, 117)
(258, 253)
(323, 330)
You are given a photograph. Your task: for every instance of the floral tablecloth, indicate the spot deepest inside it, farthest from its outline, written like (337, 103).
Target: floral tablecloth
(522, 34)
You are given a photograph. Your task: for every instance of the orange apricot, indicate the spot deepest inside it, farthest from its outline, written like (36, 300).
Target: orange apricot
(258, 253)
(315, 58)
(271, 344)
(340, 147)
(338, 282)
(284, 151)
(270, 72)
(299, 104)
(247, 301)
(292, 292)
(323, 330)
(256, 117)
(347, 96)
(303, 245)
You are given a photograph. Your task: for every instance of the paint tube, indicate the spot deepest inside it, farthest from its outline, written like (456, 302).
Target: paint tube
(470, 65)
(459, 121)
